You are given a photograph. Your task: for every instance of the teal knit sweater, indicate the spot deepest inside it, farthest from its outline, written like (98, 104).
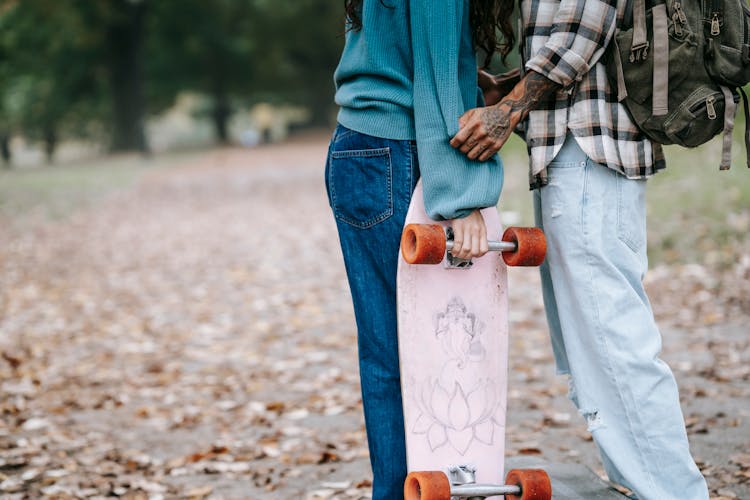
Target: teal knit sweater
(410, 73)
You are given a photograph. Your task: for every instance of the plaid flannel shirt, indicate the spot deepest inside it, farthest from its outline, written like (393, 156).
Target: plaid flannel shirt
(564, 41)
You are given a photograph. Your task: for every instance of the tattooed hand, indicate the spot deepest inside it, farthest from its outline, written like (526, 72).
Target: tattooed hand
(484, 130)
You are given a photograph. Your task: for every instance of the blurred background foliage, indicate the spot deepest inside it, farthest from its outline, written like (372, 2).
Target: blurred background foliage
(83, 78)
(101, 71)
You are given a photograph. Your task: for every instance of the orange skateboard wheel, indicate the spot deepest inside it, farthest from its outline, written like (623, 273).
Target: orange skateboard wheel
(534, 484)
(531, 246)
(423, 243)
(427, 485)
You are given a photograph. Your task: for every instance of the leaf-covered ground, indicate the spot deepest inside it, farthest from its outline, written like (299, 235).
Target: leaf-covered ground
(191, 336)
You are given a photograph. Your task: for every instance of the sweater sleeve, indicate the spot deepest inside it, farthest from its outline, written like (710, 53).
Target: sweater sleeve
(445, 87)
(579, 36)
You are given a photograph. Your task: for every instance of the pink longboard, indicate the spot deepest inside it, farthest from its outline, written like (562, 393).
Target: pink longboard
(453, 350)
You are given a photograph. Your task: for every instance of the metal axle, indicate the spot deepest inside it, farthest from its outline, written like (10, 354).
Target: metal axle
(483, 490)
(495, 246)
(462, 479)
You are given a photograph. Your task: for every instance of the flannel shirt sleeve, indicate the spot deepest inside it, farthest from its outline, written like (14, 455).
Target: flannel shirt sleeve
(579, 35)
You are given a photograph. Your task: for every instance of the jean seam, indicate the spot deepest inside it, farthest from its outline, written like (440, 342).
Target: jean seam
(409, 172)
(566, 164)
(343, 135)
(631, 243)
(538, 211)
(603, 339)
(415, 163)
(329, 180)
(361, 153)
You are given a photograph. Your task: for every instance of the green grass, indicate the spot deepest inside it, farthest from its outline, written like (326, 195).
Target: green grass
(54, 191)
(516, 196)
(695, 212)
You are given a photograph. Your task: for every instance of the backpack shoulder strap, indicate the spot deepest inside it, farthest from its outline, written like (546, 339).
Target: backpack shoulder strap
(639, 46)
(660, 81)
(639, 52)
(730, 108)
(747, 127)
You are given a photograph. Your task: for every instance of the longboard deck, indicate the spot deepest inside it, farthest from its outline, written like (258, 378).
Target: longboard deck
(453, 350)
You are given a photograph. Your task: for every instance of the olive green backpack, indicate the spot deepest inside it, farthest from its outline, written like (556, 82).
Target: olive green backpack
(702, 54)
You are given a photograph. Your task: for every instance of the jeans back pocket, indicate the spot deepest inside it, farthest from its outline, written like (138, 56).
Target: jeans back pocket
(360, 186)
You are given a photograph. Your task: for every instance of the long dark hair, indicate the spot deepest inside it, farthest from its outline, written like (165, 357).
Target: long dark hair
(487, 17)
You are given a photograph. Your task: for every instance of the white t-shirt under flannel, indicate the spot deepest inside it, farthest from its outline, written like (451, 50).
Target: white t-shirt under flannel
(564, 41)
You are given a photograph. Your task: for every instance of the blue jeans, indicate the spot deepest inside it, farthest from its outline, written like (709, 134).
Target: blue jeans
(370, 181)
(603, 330)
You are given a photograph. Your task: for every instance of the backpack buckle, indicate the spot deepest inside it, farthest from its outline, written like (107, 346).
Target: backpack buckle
(639, 52)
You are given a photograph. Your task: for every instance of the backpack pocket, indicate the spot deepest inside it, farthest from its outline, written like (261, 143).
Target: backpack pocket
(698, 119)
(638, 75)
(684, 57)
(726, 25)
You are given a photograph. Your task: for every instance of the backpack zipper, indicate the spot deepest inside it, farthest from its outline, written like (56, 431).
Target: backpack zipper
(677, 26)
(715, 27)
(678, 18)
(710, 109)
(715, 12)
(680, 13)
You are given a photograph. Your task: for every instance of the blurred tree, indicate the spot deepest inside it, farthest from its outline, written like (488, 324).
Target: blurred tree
(243, 52)
(315, 49)
(45, 70)
(73, 68)
(302, 43)
(74, 64)
(119, 29)
(208, 47)
(125, 22)
(5, 128)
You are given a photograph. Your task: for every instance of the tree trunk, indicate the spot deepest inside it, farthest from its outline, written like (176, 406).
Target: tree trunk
(221, 108)
(125, 38)
(5, 149)
(50, 143)
(319, 101)
(221, 114)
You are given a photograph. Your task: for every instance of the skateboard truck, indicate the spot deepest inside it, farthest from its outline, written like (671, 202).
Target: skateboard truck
(431, 244)
(464, 485)
(520, 484)
(452, 262)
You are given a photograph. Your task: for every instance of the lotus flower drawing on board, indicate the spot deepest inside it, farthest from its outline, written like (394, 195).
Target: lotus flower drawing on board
(458, 407)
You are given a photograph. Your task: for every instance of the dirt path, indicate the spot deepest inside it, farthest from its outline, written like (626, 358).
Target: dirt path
(193, 337)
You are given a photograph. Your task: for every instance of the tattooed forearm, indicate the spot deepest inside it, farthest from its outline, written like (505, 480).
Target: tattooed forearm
(483, 131)
(534, 88)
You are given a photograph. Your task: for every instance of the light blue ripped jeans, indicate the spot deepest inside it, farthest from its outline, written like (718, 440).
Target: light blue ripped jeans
(603, 330)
